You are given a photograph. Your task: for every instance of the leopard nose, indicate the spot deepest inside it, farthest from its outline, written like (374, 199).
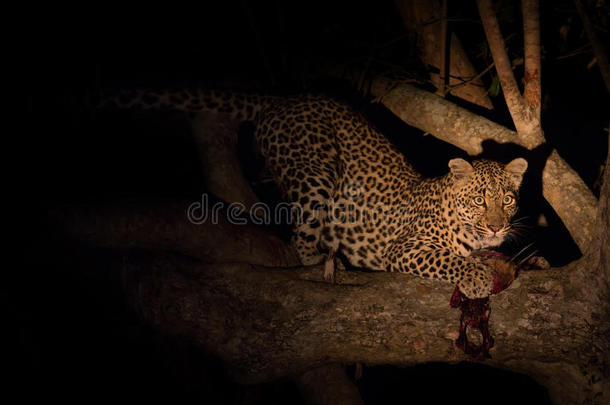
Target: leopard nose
(493, 228)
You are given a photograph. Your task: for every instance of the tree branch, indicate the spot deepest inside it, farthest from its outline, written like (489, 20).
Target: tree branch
(216, 139)
(423, 18)
(526, 116)
(598, 47)
(167, 228)
(531, 39)
(477, 77)
(571, 199)
(501, 59)
(328, 385)
(443, 54)
(266, 324)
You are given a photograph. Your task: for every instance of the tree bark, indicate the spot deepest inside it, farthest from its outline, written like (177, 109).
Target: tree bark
(525, 111)
(328, 385)
(423, 18)
(532, 91)
(216, 138)
(269, 323)
(168, 228)
(598, 47)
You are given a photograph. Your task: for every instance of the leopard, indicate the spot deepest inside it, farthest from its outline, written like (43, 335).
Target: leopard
(356, 196)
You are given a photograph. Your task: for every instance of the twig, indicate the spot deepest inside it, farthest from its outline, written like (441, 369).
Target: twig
(531, 44)
(259, 42)
(487, 69)
(443, 62)
(577, 51)
(449, 19)
(598, 48)
(501, 59)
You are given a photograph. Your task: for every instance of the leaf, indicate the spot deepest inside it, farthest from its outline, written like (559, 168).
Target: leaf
(494, 88)
(484, 48)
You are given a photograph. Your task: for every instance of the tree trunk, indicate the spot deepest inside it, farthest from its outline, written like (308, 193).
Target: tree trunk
(217, 142)
(598, 46)
(423, 17)
(168, 228)
(270, 323)
(525, 111)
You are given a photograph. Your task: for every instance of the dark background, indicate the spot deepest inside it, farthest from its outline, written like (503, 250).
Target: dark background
(70, 334)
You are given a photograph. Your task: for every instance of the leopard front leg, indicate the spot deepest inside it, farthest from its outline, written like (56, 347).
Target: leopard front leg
(305, 240)
(474, 278)
(329, 266)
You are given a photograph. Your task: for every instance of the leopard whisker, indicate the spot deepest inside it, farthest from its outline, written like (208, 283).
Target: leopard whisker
(519, 252)
(514, 238)
(515, 232)
(520, 219)
(527, 258)
(520, 225)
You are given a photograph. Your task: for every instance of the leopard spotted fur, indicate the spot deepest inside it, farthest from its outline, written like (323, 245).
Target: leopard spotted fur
(356, 195)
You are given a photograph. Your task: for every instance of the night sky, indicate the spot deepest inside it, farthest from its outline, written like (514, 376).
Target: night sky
(70, 334)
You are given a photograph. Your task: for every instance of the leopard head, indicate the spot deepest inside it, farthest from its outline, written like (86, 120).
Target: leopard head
(485, 197)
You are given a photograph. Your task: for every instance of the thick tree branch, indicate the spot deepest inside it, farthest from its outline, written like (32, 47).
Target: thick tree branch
(443, 53)
(168, 228)
(598, 47)
(423, 17)
(599, 254)
(266, 324)
(216, 138)
(500, 56)
(604, 222)
(531, 38)
(439, 117)
(328, 385)
(571, 199)
(526, 116)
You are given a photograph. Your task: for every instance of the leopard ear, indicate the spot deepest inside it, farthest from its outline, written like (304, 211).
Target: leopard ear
(515, 169)
(462, 170)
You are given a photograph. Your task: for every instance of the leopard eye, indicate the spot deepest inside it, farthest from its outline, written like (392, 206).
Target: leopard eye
(478, 200)
(508, 199)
